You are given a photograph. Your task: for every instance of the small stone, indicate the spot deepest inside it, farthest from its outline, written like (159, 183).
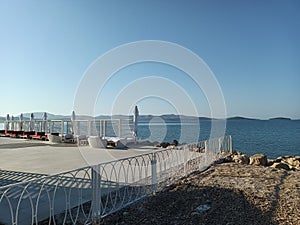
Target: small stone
(195, 213)
(202, 208)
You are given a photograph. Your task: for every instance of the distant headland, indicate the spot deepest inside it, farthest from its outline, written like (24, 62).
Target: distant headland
(280, 118)
(168, 118)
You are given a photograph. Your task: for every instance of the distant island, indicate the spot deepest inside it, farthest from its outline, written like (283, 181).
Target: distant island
(280, 118)
(240, 118)
(168, 118)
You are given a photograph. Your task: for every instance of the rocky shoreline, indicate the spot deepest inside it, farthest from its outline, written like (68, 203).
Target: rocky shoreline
(282, 162)
(239, 190)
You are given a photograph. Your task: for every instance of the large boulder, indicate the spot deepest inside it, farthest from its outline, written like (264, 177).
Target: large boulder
(292, 161)
(279, 165)
(259, 160)
(163, 145)
(242, 159)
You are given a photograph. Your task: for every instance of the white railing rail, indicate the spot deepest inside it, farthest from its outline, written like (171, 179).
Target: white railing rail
(97, 127)
(86, 195)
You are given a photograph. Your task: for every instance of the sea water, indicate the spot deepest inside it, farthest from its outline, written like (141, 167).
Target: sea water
(272, 137)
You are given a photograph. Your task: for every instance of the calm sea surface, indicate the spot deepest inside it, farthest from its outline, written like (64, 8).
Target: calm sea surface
(272, 137)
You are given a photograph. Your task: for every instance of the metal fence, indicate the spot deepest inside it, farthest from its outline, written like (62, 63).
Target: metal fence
(100, 127)
(85, 195)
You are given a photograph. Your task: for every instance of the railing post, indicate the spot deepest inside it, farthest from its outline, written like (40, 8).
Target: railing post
(62, 128)
(78, 127)
(96, 195)
(185, 152)
(120, 128)
(104, 128)
(206, 151)
(153, 172)
(230, 143)
(89, 128)
(100, 128)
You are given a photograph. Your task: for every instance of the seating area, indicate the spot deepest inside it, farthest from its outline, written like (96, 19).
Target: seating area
(82, 140)
(111, 133)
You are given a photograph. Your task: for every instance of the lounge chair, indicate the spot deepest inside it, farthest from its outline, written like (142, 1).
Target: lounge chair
(82, 140)
(54, 138)
(69, 138)
(97, 142)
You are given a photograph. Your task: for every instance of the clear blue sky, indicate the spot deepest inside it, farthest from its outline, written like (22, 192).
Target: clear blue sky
(252, 47)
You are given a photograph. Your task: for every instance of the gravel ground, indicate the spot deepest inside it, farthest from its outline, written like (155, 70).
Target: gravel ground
(228, 193)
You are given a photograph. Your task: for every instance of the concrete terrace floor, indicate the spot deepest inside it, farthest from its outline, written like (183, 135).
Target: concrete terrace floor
(33, 156)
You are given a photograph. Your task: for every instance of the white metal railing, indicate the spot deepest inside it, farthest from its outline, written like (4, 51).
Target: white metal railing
(86, 195)
(97, 127)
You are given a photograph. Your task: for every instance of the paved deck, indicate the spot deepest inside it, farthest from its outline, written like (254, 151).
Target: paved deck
(23, 160)
(41, 157)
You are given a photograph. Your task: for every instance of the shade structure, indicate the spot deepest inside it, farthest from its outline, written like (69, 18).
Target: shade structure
(12, 123)
(21, 121)
(73, 116)
(45, 122)
(31, 122)
(135, 122)
(7, 122)
(44, 116)
(74, 125)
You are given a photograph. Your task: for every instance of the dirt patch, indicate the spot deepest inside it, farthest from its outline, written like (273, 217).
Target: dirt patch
(226, 194)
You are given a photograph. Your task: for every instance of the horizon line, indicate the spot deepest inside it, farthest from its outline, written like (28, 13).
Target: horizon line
(170, 114)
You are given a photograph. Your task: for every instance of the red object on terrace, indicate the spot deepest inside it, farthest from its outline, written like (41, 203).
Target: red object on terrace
(16, 133)
(8, 133)
(39, 136)
(27, 134)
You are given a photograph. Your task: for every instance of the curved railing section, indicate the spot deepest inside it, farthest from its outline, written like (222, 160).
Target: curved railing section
(85, 195)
